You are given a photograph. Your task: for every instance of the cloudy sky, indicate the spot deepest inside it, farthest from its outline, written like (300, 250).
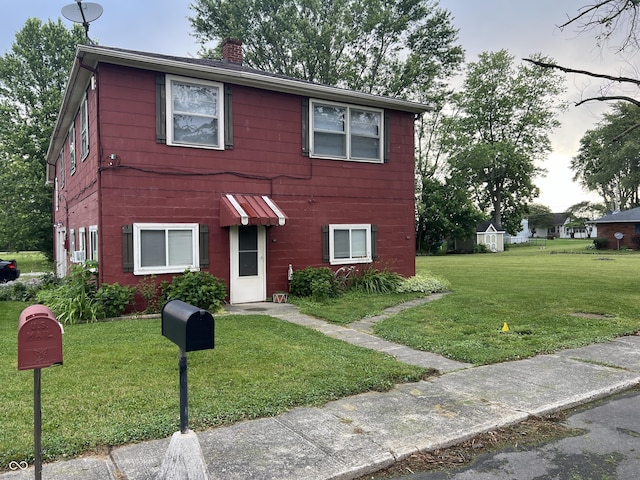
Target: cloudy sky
(522, 27)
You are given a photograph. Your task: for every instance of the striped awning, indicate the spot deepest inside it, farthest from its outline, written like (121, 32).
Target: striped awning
(236, 209)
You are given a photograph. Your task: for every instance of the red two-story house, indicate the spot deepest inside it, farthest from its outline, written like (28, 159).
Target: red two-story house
(162, 164)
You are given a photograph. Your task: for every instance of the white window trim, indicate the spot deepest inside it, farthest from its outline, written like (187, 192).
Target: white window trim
(82, 239)
(195, 239)
(62, 172)
(72, 149)
(93, 246)
(84, 128)
(355, 226)
(347, 132)
(169, 111)
(56, 195)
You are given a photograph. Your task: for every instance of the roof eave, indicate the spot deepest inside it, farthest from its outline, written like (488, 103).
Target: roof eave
(88, 57)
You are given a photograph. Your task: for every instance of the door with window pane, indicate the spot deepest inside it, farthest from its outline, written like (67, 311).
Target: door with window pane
(248, 279)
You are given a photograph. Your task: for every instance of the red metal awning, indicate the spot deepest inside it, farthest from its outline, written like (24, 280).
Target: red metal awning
(250, 210)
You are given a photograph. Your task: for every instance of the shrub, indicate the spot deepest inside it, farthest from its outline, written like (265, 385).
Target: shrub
(600, 243)
(480, 248)
(200, 289)
(317, 282)
(423, 284)
(372, 280)
(71, 302)
(113, 299)
(77, 299)
(151, 293)
(18, 292)
(635, 238)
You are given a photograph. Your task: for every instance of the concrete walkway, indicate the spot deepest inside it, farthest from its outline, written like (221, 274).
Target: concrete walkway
(356, 435)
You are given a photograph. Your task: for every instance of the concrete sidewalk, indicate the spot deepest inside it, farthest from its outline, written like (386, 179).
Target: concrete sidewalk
(356, 435)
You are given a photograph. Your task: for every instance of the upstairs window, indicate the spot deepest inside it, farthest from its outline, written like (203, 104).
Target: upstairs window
(346, 132)
(194, 113)
(84, 129)
(72, 149)
(61, 166)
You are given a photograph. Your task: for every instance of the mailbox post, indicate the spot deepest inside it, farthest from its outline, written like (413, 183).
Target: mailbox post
(39, 346)
(191, 328)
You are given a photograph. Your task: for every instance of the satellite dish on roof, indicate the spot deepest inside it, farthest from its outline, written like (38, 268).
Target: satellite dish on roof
(83, 13)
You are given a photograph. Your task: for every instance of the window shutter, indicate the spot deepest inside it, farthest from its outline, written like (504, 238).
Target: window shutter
(305, 127)
(387, 142)
(325, 243)
(204, 246)
(374, 242)
(228, 118)
(161, 109)
(127, 248)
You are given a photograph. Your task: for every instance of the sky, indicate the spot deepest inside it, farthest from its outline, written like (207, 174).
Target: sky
(522, 27)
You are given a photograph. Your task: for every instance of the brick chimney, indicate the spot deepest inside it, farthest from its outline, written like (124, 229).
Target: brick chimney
(232, 50)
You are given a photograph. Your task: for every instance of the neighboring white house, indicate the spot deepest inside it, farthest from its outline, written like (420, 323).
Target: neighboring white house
(560, 229)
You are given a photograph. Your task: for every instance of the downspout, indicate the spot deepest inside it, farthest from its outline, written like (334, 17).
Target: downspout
(94, 86)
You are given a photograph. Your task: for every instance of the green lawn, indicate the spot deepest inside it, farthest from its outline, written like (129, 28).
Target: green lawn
(29, 261)
(541, 294)
(119, 381)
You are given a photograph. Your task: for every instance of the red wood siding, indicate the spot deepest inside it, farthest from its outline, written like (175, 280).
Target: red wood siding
(78, 205)
(151, 182)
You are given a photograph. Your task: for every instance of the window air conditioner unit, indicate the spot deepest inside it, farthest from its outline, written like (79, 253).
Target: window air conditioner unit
(78, 256)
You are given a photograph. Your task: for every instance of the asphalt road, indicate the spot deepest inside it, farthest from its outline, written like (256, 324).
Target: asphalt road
(609, 449)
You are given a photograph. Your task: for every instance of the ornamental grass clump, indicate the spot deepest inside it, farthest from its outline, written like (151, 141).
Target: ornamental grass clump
(374, 281)
(423, 283)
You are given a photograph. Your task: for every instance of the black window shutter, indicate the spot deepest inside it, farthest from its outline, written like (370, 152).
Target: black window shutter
(204, 246)
(161, 109)
(387, 141)
(325, 243)
(127, 248)
(305, 127)
(228, 118)
(374, 242)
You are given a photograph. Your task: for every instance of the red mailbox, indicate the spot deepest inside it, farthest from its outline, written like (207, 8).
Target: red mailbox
(39, 338)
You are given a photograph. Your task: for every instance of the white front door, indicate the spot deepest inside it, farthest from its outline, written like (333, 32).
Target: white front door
(61, 252)
(248, 264)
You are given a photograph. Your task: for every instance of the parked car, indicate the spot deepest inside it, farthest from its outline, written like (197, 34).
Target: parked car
(8, 270)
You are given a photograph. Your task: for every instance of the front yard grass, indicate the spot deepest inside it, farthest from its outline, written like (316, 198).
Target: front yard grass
(351, 306)
(119, 381)
(28, 262)
(561, 297)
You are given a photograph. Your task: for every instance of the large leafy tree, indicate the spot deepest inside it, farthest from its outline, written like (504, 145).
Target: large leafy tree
(539, 216)
(608, 161)
(444, 212)
(32, 78)
(391, 47)
(505, 114)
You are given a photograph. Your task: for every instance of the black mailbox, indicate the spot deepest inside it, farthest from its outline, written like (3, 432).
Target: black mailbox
(189, 327)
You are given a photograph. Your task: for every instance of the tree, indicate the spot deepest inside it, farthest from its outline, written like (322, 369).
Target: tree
(608, 161)
(539, 216)
(33, 75)
(605, 18)
(444, 212)
(502, 126)
(398, 48)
